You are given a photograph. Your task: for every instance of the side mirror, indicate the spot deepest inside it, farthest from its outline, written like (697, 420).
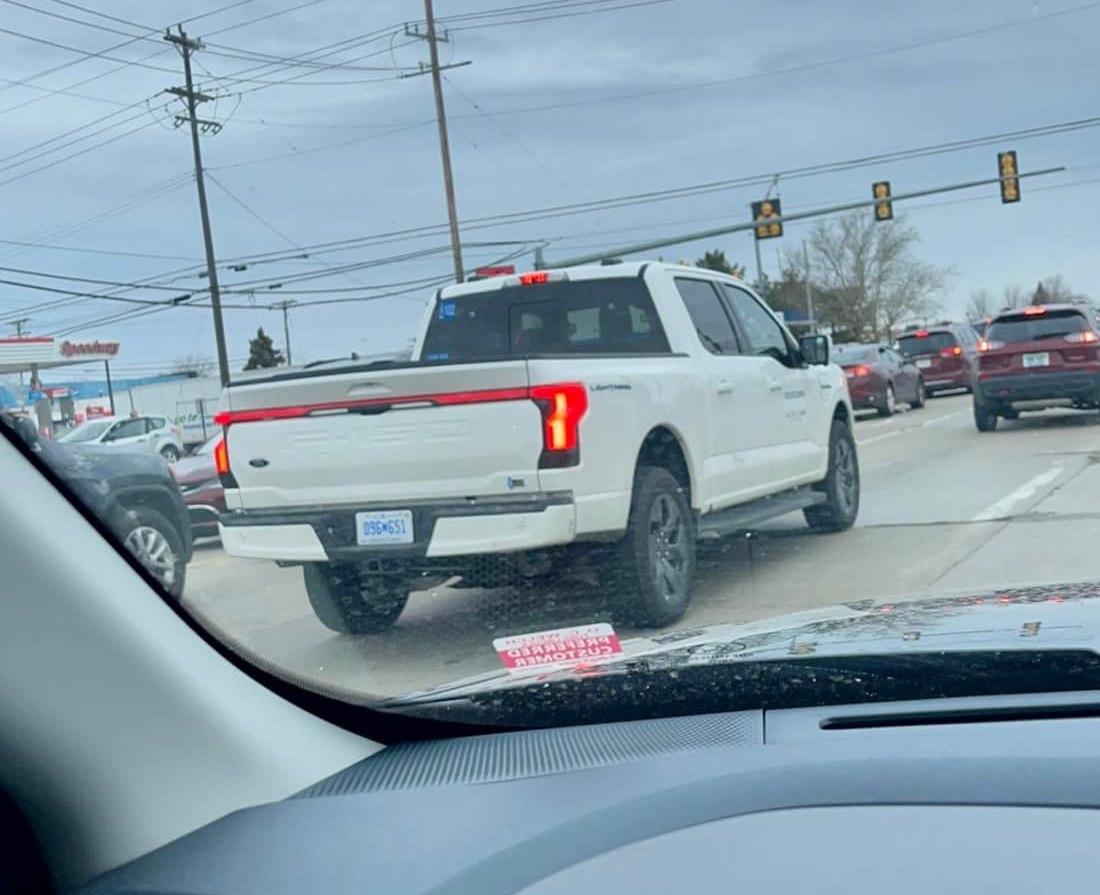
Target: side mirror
(815, 349)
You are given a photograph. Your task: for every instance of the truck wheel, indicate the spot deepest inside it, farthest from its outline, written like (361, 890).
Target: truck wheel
(841, 484)
(985, 417)
(350, 602)
(655, 570)
(889, 401)
(157, 545)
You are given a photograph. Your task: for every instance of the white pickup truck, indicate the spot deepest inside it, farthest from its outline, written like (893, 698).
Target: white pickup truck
(625, 410)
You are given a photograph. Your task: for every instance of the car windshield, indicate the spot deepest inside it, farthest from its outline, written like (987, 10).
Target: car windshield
(927, 343)
(1029, 328)
(553, 361)
(87, 431)
(854, 354)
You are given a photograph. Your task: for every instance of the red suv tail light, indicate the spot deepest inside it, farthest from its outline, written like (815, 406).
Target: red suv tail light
(857, 372)
(562, 407)
(985, 345)
(953, 351)
(1087, 336)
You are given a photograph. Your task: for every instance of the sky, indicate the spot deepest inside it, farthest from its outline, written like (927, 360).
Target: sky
(579, 100)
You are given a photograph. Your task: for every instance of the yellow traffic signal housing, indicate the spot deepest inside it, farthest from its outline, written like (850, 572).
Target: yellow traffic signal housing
(1009, 171)
(762, 213)
(884, 208)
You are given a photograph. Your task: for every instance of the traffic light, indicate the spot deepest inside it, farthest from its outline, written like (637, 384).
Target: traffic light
(884, 209)
(1009, 172)
(762, 212)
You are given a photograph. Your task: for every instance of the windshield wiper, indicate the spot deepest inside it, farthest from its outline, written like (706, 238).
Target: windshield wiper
(663, 685)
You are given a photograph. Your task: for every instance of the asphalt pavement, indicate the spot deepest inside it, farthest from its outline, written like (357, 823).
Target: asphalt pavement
(945, 510)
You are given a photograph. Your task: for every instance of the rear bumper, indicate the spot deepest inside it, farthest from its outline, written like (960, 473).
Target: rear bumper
(937, 381)
(1078, 386)
(447, 528)
(865, 398)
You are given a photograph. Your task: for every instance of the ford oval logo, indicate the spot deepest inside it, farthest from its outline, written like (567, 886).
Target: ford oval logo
(258, 462)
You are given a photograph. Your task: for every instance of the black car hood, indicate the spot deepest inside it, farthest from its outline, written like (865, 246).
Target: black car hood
(1049, 617)
(95, 463)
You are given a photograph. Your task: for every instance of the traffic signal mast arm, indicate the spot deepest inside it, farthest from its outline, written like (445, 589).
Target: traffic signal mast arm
(793, 216)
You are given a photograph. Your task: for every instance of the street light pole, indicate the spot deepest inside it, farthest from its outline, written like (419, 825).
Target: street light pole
(809, 288)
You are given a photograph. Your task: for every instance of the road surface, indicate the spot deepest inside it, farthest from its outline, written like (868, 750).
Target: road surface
(945, 509)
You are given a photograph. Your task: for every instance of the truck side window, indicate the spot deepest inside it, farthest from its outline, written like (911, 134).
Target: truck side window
(765, 336)
(710, 318)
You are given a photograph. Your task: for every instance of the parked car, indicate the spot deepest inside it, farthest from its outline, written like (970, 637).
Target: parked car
(202, 490)
(879, 378)
(946, 355)
(695, 410)
(1038, 357)
(154, 434)
(134, 494)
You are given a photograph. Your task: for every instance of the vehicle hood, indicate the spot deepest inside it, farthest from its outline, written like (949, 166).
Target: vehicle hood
(1049, 617)
(94, 462)
(192, 470)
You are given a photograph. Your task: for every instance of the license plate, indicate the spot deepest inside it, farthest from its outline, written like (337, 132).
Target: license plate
(924, 363)
(388, 527)
(1037, 359)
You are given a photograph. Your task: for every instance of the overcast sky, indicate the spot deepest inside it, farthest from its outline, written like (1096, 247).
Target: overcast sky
(636, 99)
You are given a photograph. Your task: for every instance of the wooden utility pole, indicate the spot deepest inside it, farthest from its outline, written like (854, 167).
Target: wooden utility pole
(285, 307)
(435, 69)
(192, 98)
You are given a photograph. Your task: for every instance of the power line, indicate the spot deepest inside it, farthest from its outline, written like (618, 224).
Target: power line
(560, 15)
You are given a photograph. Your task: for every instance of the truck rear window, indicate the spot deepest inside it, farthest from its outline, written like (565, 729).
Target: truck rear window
(1029, 328)
(606, 316)
(912, 345)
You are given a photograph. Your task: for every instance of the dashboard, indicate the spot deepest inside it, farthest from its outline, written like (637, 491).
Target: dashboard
(982, 794)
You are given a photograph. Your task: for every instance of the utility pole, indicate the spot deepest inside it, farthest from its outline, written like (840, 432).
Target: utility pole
(285, 306)
(110, 387)
(18, 325)
(192, 98)
(809, 288)
(436, 70)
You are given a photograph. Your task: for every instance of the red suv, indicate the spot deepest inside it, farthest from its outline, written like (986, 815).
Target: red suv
(1037, 357)
(946, 355)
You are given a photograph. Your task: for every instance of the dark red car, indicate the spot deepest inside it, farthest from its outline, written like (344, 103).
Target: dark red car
(946, 355)
(1038, 357)
(879, 377)
(202, 491)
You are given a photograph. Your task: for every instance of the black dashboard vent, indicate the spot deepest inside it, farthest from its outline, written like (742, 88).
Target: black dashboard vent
(535, 753)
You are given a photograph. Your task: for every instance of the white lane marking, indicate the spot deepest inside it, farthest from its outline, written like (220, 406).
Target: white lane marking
(873, 439)
(999, 509)
(940, 419)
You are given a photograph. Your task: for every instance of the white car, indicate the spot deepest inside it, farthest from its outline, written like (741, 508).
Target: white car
(154, 434)
(614, 411)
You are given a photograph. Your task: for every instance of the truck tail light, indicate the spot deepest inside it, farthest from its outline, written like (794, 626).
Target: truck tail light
(221, 464)
(562, 407)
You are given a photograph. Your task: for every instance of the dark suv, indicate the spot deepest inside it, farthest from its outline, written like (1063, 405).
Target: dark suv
(946, 355)
(133, 493)
(1038, 357)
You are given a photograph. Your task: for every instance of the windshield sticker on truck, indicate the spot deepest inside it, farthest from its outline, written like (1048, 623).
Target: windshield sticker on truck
(446, 310)
(559, 648)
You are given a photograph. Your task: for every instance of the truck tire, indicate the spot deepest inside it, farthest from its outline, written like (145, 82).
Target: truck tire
(348, 601)
(840, 485)
(985, 417)
(157, 544)
(655, 562)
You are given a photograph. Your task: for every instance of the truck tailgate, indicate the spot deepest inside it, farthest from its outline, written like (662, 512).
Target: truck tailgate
(388, 435)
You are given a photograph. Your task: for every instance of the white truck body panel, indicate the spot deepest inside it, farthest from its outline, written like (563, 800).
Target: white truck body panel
(748, 426)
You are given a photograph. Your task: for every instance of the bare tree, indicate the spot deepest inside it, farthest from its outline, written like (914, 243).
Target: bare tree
(1057, 289)
(193, 365)
(873, 278)
(1015, 296)
(980, 305)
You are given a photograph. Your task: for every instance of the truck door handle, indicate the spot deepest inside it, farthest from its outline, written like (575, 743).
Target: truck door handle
(725, 387)
(773, 384)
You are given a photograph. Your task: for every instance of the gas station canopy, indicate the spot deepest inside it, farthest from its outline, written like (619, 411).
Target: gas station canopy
(41, 353)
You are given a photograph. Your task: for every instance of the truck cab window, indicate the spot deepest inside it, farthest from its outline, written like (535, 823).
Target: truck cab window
(764, 335)
(711, 321)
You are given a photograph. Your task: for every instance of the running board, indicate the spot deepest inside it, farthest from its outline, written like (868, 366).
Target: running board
(738, 518)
